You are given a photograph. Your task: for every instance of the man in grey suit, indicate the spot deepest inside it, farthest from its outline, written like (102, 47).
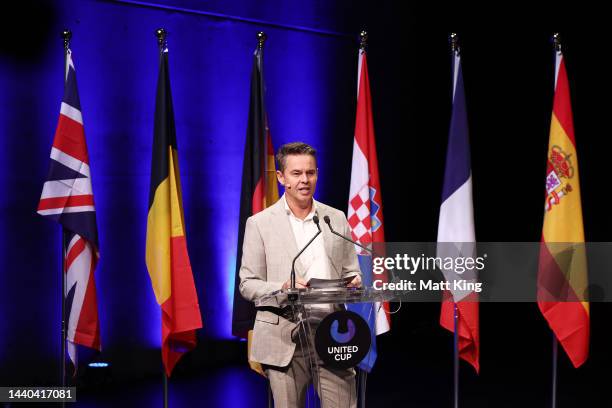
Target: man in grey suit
(272, 238)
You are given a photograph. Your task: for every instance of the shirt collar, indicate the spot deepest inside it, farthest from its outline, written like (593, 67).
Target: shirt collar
(312, 213)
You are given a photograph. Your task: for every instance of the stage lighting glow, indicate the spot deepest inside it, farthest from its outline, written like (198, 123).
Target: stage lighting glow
(98, 364)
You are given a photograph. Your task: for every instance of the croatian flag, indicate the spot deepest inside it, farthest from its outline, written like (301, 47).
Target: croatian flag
(67, 198)
(365, 215)
(456, 236)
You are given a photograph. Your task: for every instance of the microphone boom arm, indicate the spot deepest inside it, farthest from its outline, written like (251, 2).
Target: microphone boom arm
(328, 222)
(292, 295)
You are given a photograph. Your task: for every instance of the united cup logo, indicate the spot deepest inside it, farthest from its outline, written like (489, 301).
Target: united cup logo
(342, 337)
(560, 171)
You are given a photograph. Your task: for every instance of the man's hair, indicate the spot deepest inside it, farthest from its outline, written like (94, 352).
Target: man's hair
(295, 148)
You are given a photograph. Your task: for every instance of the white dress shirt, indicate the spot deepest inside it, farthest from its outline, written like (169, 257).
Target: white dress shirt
(314, 258)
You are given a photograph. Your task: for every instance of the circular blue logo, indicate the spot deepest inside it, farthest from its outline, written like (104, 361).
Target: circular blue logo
(342, 339)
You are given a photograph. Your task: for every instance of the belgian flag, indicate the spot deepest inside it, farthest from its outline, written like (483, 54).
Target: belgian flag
(259, 185)
(166, 254)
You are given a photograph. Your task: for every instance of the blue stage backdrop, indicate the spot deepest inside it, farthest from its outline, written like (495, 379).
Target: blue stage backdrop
(310, 80)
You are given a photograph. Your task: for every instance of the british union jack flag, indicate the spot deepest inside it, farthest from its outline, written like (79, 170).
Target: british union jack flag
(67, 198)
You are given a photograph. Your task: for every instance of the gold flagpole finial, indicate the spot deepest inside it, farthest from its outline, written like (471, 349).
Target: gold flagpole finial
(454, 43)
(66, 36)
(556, 39)
(363, 40)
(261, 39)
(162, 38)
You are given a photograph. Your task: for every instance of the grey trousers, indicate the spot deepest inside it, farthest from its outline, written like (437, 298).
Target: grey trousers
(336, 387)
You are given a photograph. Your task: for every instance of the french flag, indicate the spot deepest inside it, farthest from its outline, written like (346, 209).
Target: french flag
(67, 198)
(365, 215)
(456, 235)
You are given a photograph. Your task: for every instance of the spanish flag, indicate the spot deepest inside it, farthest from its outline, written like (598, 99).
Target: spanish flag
(166, 254)
(562, 273)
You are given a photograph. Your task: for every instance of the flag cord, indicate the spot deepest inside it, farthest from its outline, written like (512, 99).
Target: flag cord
(456, 357)
(555, 355)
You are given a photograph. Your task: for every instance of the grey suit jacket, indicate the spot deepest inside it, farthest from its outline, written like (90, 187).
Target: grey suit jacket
(268, 249)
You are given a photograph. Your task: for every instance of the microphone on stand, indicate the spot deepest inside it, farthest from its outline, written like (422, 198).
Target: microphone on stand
(328, 222)
(292, 292)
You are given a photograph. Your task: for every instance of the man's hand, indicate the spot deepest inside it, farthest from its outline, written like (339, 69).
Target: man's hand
(299, 283)
(355, 283)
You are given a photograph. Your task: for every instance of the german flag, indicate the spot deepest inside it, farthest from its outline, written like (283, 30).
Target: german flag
(562, 273)
(166, 254)
(259, 185)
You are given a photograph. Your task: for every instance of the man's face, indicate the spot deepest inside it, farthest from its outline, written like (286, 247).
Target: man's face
(299, 177)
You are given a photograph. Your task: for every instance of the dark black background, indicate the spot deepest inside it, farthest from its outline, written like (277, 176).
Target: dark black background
(508, 67)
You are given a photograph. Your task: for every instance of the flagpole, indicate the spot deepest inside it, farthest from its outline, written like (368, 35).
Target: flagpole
(555, 354)
(63, 271)
(454, 42)
(556, 38)
(161, 35)
(455, 357)
(261, 40)
(165, 382)
(66, 36)
(363, 377)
